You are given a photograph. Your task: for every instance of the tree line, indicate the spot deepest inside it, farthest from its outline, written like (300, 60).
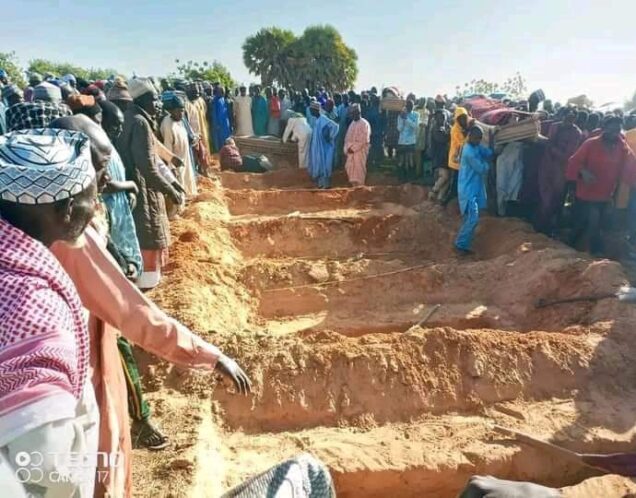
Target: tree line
(189, 70)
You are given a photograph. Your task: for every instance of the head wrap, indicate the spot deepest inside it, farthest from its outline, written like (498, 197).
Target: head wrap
(172, 101)
(77, 102)
(440, 98)
(31, 115)
(44, 165)
(95, 91)
(315, 105)
(140, 86)
(84, 104)
(119, 91)
(47, 92)
(10, 91)
(100, 84)
(355, 107)
(460, 111)
(70, 79)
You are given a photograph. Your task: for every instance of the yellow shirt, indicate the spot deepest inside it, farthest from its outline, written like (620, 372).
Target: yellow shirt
(457, 139)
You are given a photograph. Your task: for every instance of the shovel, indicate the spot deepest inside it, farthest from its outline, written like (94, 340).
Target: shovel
(623, 464)
(426, 317)
(625, 294)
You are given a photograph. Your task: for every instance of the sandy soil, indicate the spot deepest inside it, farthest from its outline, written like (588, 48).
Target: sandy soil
(317, 293)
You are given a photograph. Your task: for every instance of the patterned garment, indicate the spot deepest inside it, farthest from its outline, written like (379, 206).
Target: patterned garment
(303, 476)
(28, 115)
(43, 333)
(43, 166)
(122, 224)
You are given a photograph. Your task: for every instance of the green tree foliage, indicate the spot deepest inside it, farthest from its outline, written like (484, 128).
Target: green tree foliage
(9, 62)
(43, 66)
(324, 59)
(515, 87)
(192, 70)
(318, 58)
(266, 55)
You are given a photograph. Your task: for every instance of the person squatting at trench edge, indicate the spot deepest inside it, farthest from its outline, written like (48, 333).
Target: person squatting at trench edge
(471, 187)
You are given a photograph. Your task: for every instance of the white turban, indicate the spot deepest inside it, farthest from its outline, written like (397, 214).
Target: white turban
(139, 86)
(44, 165)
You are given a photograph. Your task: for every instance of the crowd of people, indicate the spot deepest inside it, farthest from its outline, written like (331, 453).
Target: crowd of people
(563, 180)
(86, 186)
(92, 172)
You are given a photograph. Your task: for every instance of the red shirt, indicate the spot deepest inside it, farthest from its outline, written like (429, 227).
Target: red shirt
(274, 106)
(230, 158)
(608, 163)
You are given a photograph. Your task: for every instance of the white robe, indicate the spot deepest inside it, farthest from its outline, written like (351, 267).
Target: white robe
(175, 138)
(300, 132)
(63, 452)
(243, 116)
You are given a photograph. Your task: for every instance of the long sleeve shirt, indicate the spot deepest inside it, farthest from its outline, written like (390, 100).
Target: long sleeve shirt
(457, 139)
(471, 182)
(117, 306)
(408, 128)
(609, 163)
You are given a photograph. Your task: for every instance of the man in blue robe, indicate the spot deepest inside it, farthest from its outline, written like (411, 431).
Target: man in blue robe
(322, 147)
(260, 113)
(471, 187)
(220, 121)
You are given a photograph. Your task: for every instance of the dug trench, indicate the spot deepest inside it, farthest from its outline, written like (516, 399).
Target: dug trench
(318, 295)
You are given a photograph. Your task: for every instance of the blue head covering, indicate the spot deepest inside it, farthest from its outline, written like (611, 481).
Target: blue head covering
(70, 79)
(172, 101)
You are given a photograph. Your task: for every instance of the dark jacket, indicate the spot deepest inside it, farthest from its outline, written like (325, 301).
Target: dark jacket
(136, 145)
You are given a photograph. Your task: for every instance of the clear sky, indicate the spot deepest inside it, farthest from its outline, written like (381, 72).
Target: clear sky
(564, 47)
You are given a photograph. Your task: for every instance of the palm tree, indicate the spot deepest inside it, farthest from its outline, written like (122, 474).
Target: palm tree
(324, 59)
(265, 55)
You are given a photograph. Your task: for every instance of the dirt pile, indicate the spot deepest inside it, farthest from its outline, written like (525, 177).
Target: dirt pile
(314, 292)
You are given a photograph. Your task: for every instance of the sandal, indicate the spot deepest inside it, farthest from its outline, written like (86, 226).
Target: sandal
(146, 435)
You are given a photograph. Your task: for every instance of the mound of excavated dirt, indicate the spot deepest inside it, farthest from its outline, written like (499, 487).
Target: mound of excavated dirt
(316, 293)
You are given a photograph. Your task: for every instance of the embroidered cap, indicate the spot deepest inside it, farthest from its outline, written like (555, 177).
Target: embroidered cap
(44, 165)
